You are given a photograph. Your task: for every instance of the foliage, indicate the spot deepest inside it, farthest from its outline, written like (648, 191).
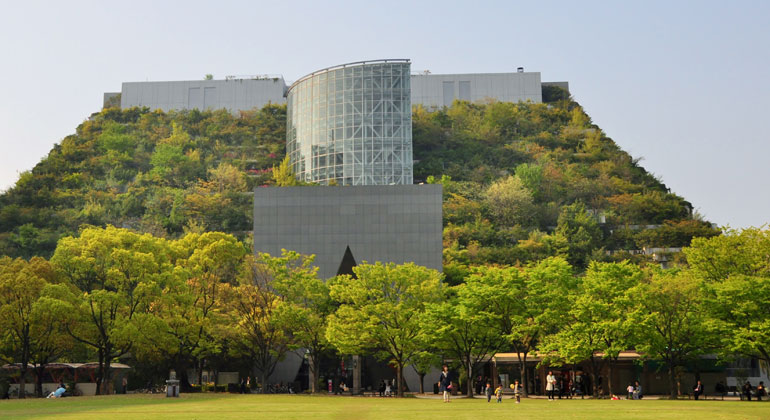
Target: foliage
(597, 320)
(381, 310)
(736, 270)
(156, 172)
(304, 307)
(671, 320)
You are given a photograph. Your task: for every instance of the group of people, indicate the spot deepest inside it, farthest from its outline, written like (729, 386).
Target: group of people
(386, 388)
(560, 386)
(759, 392)
(634, 391)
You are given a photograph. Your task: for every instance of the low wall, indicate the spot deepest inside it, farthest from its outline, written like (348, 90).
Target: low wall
(49, 387)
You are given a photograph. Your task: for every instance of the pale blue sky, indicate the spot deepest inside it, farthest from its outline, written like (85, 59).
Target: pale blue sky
(684, 85)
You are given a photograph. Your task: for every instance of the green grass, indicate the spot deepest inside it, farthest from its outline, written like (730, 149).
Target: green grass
(291, 407)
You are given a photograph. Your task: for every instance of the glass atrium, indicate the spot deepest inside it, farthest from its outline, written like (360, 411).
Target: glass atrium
(352, 124)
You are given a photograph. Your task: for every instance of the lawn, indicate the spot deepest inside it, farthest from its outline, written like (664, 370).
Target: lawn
(291, 407)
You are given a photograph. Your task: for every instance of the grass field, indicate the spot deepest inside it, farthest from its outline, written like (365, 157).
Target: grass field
(291, 407)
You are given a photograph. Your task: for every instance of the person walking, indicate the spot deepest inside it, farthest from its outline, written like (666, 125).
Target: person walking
(499, 393)
(445, 383)
(550, 385)
(488, 391)
(516, 390)
(630, 390)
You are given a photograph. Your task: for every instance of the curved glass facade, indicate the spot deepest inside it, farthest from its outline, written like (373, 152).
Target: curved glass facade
(352, 124)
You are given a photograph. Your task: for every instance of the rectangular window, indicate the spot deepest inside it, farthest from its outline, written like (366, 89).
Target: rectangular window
(465, 91)
(449, 93)
(209, 97)
(194, 99)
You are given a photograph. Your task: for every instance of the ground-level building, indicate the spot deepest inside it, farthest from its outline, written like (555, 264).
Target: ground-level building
(82, 375)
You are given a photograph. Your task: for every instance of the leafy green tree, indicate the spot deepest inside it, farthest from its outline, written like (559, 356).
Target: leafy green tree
(50, 342)
(259, 333)
(597, 321)
(283, 174)
(380, 312)
(671, 321)
(305, 305)
(736, 270)
(117, 274)
(21, 285)
(465, 330)
(581, 232)
(423, 363)
(193, 311)
(509, 202)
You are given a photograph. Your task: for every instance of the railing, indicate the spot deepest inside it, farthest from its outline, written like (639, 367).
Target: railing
(351, 64)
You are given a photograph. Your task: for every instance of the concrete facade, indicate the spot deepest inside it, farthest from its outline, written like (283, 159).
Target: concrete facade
(387, 223)
(233, 94)
(429, 90)
(438, 90)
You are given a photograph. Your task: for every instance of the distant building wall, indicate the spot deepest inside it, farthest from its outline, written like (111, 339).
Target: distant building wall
(233, 95)
(437, 90)
(111, 99)
(387, 223)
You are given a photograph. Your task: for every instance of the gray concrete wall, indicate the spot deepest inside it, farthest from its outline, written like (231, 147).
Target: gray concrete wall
(437, 90)
(387, 223)
(432, 91)
(233, 95)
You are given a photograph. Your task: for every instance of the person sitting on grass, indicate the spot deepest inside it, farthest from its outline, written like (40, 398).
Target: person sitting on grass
(499, 393)
(58, 393)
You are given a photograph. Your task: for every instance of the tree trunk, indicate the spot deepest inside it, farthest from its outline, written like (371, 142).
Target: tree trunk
(100, 373)
(39, 372)
(672, 381)
(263, 379)
(422, 379)
(524, 375)
(400, 375)
(594, 374)
(199, 366)
(23, 381)
(106, 380)
(469, 369)
(609, 376)
(315, 367)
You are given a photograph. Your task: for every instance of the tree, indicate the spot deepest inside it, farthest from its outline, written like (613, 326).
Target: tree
(597, 321)
(423, 363)
(117, 274)
(581, 231)
(465, 328)
(736, 271)
(304, 306)
(283, 174)
(380, 312)
(193, 309)
(50, 341)
(540, 304)
(21, 285)
(259, 335)
(509, 202)
(671, 320)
